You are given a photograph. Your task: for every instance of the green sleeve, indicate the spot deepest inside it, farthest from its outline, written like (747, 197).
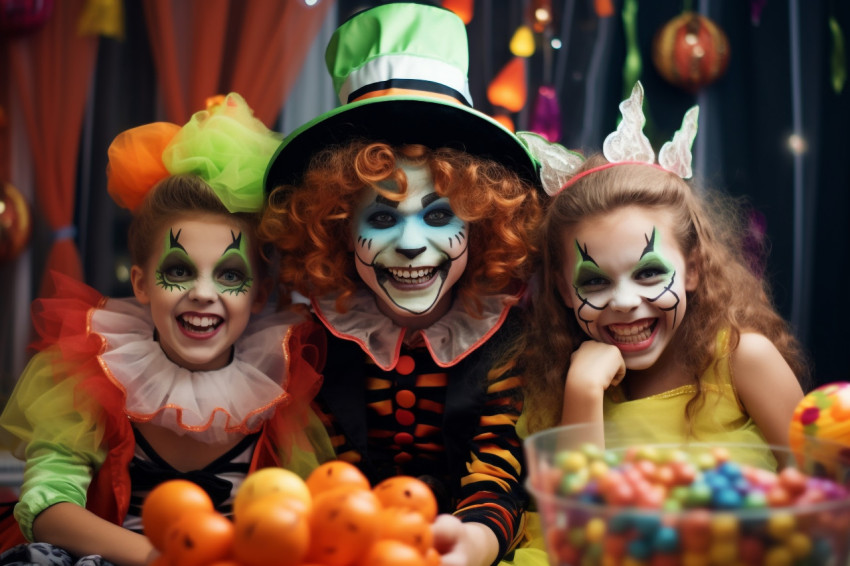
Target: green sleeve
(58, 438)
(53, 474)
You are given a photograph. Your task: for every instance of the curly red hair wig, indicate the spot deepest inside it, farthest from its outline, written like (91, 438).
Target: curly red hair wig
(310, 224)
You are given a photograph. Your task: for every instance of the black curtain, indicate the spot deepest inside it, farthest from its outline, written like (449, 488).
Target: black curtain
(778, 80)
(749, 114)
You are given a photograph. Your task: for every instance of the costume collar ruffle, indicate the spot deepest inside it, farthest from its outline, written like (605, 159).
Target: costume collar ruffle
(209, 404)
(450, 339)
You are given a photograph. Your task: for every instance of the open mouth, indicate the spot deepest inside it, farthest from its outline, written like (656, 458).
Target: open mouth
(634, 332)
(199, 324)
(408, 277)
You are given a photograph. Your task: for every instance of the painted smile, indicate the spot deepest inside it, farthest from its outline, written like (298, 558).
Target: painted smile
(410, 278)
(198, 325)
(633, 335)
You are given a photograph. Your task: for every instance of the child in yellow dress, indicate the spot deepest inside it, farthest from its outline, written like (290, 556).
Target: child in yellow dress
(646, 316)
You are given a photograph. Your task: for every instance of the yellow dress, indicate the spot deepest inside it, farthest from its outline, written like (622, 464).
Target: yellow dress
(660, 419)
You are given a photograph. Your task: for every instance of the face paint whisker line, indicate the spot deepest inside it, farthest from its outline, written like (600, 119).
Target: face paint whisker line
(585, 303)
(361, 241)
(675, 306)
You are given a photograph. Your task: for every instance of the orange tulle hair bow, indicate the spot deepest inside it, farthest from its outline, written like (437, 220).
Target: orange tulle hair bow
(135, 162)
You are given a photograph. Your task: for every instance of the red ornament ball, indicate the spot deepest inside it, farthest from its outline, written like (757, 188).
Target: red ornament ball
(690, 51)
(24, 16)
(15, 222)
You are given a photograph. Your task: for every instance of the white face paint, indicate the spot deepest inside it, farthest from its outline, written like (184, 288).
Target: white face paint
(625, 279)
(200, 290)
(410, 253)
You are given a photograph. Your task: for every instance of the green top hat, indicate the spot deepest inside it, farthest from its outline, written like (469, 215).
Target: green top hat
(400, 71)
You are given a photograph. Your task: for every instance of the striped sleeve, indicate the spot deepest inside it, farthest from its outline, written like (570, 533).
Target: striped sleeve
(492, 492)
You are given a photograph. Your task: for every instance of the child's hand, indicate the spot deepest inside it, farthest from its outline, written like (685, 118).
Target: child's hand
(594, 367)
(463, 544)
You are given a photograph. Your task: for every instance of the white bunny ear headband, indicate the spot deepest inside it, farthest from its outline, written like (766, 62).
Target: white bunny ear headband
(627, 144)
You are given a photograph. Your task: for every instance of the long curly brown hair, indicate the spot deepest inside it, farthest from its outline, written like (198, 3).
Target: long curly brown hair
(709, 228)
(310, 224)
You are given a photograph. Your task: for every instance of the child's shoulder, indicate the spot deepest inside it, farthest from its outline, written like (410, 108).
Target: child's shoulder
(753, 348)
(757, 364)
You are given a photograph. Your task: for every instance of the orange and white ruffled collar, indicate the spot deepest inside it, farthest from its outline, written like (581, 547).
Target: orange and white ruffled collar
(208, 404)
(449, 340)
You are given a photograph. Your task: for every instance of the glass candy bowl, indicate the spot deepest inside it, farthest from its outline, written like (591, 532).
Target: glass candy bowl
(688, 505)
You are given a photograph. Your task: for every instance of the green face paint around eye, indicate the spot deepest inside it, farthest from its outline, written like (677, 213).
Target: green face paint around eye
(233, 271)
(175, 271)
(586, 272)
(652, 263)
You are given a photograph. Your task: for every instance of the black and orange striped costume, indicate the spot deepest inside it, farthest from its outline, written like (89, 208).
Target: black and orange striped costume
(420, 406)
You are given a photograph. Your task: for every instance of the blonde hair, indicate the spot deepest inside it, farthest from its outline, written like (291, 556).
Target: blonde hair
(708, 229)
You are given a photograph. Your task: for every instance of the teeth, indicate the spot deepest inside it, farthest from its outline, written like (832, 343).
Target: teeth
(411, 276)
(631, 333)
(200, 323)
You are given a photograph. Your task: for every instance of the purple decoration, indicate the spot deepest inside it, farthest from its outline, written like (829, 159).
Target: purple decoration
(756, 7)
(754, 243)
(546, 119)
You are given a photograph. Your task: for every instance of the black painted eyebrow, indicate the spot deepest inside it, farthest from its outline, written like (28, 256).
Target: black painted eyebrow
(384, 200)
(429, 198)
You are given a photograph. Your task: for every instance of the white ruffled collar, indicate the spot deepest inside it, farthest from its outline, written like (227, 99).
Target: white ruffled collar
(450, 339)
(209, 404)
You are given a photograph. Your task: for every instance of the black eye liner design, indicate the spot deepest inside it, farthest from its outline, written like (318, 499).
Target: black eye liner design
(172, 239)
(584, 255)
(237, 241)
(584, 302)
(650, 243)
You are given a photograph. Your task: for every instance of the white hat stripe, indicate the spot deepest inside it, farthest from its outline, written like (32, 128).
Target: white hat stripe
(392, 67)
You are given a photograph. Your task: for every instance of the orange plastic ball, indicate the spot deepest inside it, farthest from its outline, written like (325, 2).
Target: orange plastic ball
(336, 473)
(199, 538)
(408, 493)
(344, 523)
(166, 503)
(271, 531)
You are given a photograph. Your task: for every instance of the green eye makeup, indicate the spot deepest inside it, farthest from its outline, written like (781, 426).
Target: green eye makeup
(651, 262)
(586, 272)
(233, 271)
(176, 269)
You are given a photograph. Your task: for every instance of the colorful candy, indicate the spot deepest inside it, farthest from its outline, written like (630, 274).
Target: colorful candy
(656, 507)
(820, 426)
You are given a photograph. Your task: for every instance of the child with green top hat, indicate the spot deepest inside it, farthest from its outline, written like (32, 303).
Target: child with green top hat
(405, 216)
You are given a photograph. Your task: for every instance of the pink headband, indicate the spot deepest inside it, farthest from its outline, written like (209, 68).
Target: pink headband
(575, 178)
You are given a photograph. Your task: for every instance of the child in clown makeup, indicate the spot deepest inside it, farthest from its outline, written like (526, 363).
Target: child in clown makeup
(192, 378)
(410, 252)
(670, 336)
(412, 258)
